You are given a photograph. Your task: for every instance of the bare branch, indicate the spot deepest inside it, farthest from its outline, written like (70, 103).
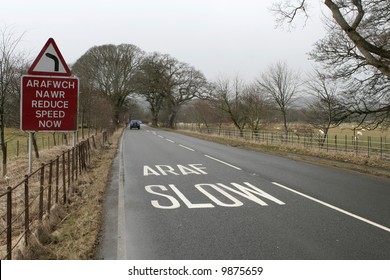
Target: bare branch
(286, 11)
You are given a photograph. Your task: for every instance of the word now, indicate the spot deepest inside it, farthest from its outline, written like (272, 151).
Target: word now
(49, 124)
(216, 194)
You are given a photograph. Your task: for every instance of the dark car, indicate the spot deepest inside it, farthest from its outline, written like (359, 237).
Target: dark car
(135, 124)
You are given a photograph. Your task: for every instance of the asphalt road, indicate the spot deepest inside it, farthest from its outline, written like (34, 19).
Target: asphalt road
(178, 197)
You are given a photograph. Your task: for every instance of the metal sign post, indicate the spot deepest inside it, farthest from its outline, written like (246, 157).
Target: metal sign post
(30, 140)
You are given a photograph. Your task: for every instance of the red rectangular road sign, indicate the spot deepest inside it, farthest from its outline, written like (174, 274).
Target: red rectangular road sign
(49, 103)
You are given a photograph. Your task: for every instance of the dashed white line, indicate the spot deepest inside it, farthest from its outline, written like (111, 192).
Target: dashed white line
(228, 164)
(161, 136)
(169, 140)
(334, 207)
(188, 148)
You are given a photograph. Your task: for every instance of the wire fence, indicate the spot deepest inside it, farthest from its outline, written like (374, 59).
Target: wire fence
(24, 205)
(358, 145)
(19, 147)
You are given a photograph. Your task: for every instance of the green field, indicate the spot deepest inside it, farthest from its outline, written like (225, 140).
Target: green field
(343, 139)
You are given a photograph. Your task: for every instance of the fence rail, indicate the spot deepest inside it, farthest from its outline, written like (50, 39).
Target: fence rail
(24, 206)
(16, 148)
(368, 146)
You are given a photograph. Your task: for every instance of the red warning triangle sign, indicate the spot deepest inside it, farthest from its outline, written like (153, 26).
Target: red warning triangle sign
(50, 62)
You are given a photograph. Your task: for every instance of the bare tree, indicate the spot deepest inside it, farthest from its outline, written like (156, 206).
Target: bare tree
(364, 22)
(258, 107)
(364, 88)
(281, 84)
(227, 95)
(110, 71)
(11, 65)
(185, 84)
(326, 110)
(152, 81)
(164, 81)
(356, 52)
(198, 111)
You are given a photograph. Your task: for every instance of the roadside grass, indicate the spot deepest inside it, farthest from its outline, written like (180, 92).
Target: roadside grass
(343, 138)
(72, 231)
(347, 161)
(77, 235)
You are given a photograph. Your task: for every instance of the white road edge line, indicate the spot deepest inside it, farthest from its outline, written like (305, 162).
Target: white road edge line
(169, 140)
(228, 164)
(121, 245)
(335, 208)
(188, 148)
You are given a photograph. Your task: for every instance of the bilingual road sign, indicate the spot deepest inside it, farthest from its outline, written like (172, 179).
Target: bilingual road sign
(49, 96)
(49, 103)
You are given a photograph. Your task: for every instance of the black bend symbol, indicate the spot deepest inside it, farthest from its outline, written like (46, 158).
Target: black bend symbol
(56, 61)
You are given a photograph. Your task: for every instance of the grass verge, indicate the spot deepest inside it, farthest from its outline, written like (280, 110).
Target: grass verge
(76, 229)
(351, 162)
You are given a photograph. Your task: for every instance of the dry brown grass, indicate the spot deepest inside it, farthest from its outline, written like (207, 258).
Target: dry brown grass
(362, 164)
(72, 231)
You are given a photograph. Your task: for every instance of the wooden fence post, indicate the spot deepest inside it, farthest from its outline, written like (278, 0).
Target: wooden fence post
(9, 223)
(94, 142)
(41, 188)
(63, 178)
(69, 170)
(49, 186)
(57, 177)
(346, 143)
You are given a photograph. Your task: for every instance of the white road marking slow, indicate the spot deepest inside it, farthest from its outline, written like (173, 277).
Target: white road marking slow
(188, 148)
(228, 164)
(334, 207)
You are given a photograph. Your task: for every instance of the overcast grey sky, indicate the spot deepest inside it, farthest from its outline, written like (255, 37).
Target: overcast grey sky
(217, 37)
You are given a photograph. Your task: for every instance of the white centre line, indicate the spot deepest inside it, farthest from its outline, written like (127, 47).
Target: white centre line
(188, 148)
(160, 136)
(169, 140)
(334, 208)
(228, 164)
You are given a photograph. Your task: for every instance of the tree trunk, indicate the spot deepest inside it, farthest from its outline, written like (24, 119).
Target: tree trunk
(4, 151)
(285, 122)
(82, 124)
(54, 139)
(172, 119)
(154, 117)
